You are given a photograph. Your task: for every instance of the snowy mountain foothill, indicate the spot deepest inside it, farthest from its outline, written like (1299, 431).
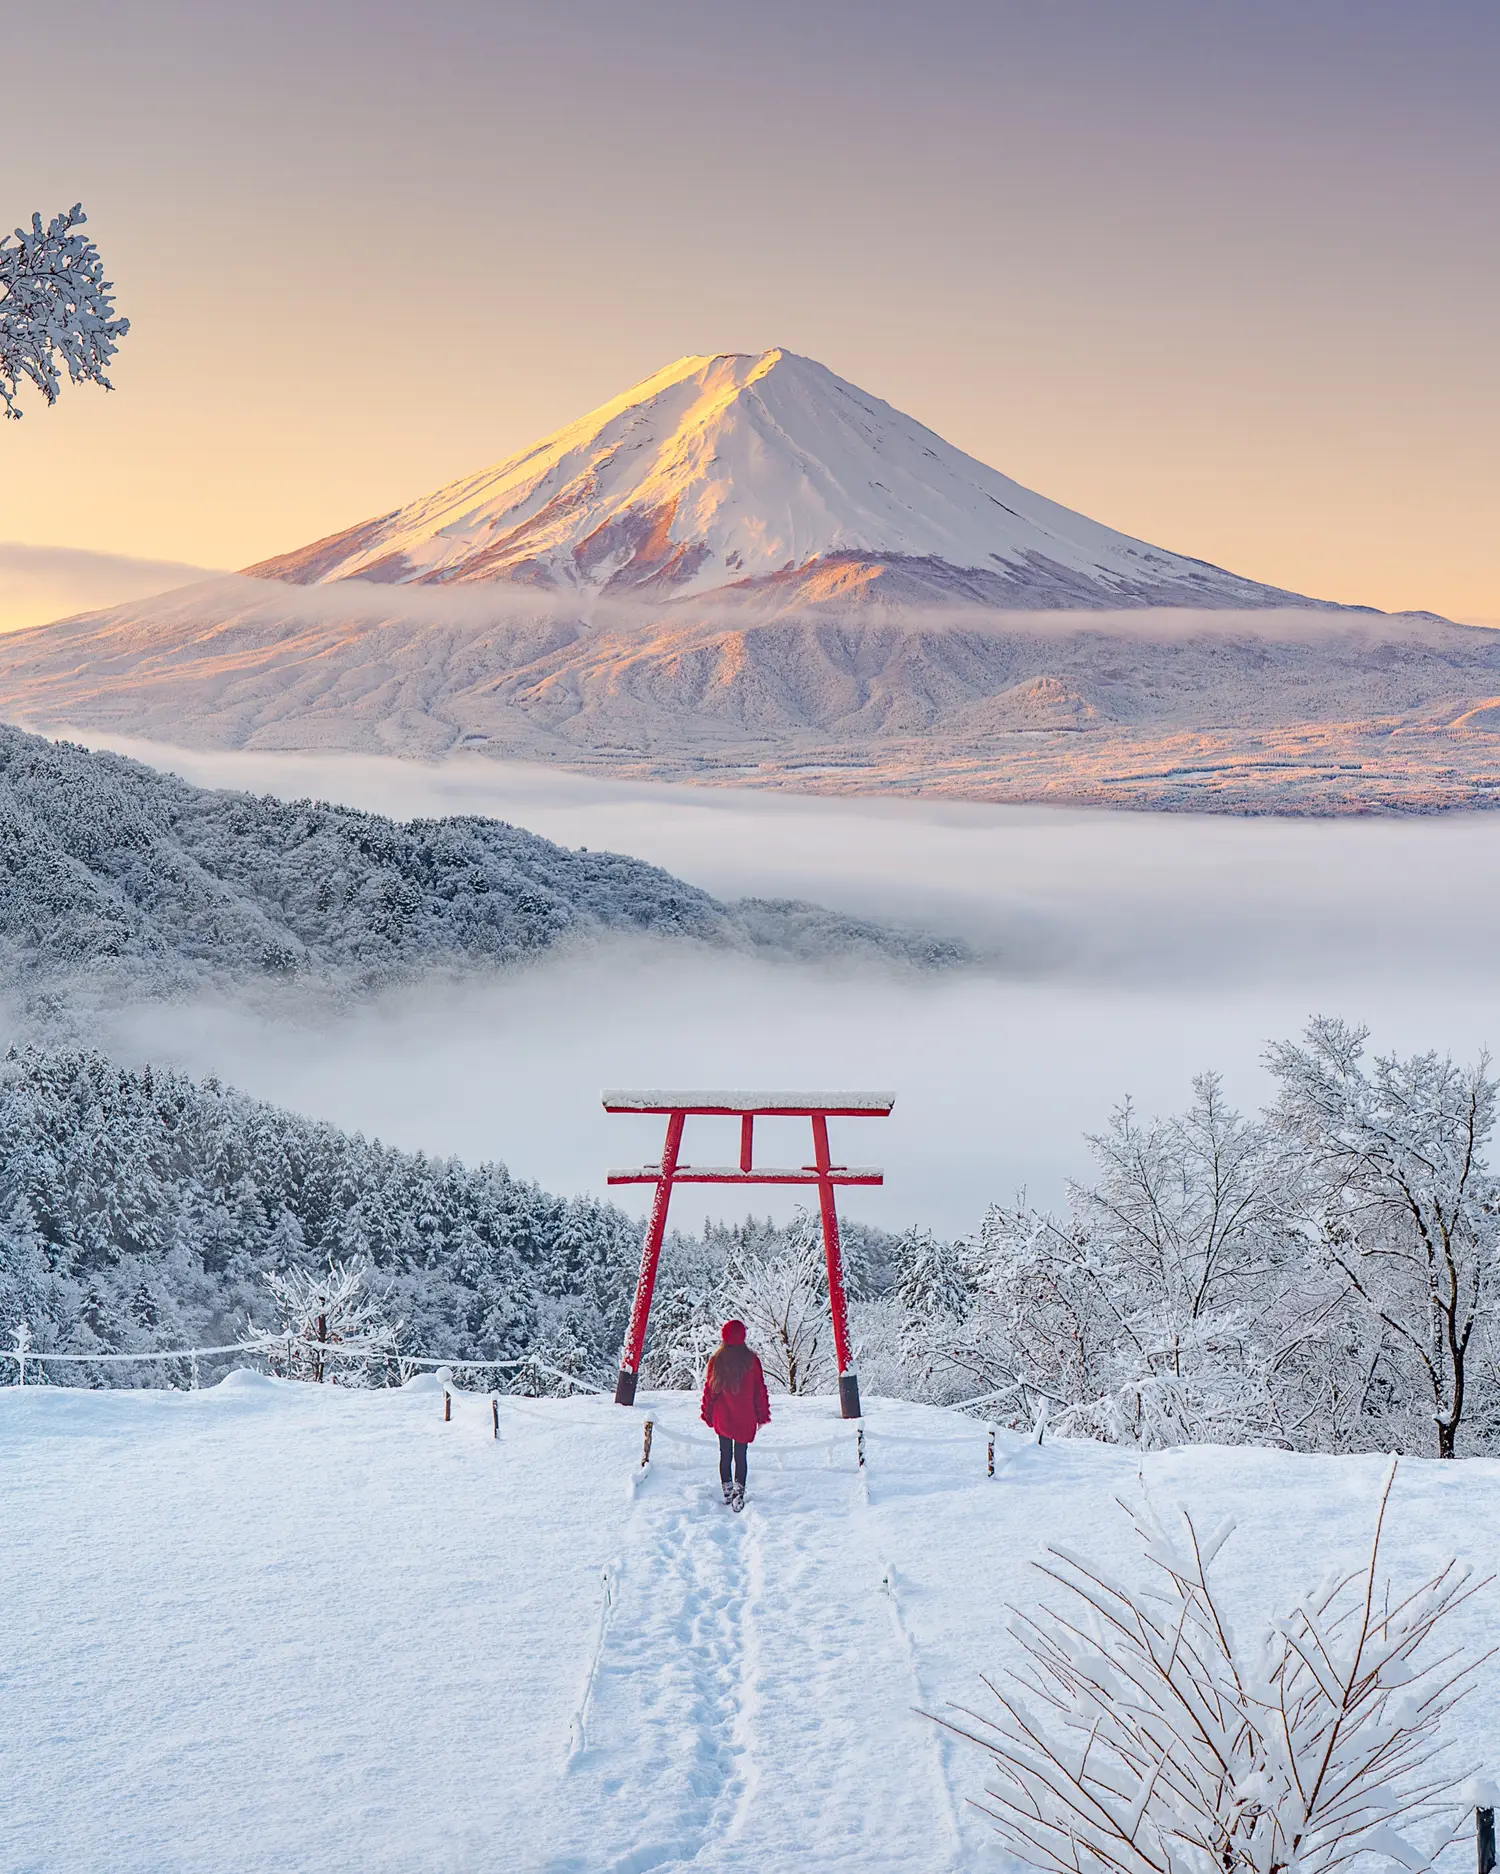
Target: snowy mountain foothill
(748, 572)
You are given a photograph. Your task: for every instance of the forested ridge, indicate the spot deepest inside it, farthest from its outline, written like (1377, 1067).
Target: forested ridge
(141, 1209)
(107, 865)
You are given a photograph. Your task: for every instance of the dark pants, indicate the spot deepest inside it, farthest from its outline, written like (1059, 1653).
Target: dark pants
(731, 1450)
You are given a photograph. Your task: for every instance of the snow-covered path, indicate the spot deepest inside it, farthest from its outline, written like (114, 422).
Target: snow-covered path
(747, 1663)
(274, 1626)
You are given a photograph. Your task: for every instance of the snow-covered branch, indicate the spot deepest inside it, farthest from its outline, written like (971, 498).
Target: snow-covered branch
(57, 310)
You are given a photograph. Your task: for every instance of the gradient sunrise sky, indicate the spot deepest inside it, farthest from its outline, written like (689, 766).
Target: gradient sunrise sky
(1222, 273)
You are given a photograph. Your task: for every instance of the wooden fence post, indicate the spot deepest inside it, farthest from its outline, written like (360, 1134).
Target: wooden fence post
(991, 1458)
(646, 1431)
(859, 1443)
(1484, 1829)
(495, 1412)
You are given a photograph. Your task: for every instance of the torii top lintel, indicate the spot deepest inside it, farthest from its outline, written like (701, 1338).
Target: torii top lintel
(793, 1105)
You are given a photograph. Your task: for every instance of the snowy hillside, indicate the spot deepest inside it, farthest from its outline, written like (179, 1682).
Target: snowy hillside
(137, 878)
(275, 1626)
(723, 471)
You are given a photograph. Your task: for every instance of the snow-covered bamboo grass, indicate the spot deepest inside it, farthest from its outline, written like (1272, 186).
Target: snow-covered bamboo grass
(1141, 1734)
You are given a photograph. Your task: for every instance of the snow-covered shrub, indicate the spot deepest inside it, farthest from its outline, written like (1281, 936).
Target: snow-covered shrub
(1146, 1734)
(332, 1328)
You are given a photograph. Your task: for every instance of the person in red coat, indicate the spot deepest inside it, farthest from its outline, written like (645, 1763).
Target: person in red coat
(735, 1405)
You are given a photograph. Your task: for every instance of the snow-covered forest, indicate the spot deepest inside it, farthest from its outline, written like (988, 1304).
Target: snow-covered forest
(121, 879)
(140, 1210)
(143, 1210)
(1320, 1276)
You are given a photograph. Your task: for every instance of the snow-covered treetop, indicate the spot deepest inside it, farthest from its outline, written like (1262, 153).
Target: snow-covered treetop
(57, 310)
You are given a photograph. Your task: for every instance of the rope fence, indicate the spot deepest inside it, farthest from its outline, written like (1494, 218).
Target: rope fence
(24, 1353)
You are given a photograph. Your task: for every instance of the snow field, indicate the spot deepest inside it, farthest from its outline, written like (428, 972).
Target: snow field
(274, 1625)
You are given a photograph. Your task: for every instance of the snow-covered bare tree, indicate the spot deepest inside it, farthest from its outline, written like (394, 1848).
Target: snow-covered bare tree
(780, 1292)
(332, 1327)
(1399, 1197)
(1150, 1314)
(1029, 1320)
(57, 310)
(1147, 1733)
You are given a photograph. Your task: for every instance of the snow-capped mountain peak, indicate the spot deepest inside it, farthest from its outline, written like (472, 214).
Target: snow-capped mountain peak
(727, 470)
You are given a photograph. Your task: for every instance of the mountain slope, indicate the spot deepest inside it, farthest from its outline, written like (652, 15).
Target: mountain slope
(726, 471)
(1278, 711)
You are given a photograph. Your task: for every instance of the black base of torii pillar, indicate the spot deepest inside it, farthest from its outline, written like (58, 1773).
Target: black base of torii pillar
(747, 1108)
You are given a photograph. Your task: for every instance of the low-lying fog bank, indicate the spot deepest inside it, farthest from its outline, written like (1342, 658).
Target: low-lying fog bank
(1141, 949)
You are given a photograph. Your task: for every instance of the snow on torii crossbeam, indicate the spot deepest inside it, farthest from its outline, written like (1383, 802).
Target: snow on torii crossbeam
(747, 1108)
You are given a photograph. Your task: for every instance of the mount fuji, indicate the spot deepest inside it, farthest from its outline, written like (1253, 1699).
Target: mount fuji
(748, 572)
(741, 472)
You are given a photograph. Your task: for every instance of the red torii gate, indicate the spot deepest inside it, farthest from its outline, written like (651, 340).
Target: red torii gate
(747, 1108)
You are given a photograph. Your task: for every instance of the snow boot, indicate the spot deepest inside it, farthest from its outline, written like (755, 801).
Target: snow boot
(729, 1494)
(737, 1499)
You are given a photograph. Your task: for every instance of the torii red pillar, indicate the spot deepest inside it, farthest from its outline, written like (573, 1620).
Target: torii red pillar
(747, 1108)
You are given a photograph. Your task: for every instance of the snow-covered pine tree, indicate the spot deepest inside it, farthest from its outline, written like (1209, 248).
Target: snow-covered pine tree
(1146, 1733)
(57, 310)
(931, 1279)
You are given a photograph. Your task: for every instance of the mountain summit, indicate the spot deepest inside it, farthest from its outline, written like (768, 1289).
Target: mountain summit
(743, 472)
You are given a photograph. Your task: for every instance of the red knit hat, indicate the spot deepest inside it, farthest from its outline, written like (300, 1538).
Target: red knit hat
(734, 1333)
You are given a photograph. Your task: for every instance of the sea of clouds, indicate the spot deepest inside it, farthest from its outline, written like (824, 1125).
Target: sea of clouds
(1123, 953)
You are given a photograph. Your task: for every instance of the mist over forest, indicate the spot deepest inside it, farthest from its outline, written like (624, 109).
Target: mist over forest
(1032, 973)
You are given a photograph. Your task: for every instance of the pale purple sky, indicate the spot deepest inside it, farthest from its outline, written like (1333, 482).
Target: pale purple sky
(1222, 273)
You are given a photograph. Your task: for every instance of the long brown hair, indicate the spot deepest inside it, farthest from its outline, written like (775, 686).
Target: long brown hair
(729, 1367)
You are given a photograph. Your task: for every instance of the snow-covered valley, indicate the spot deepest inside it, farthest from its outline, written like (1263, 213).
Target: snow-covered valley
(276, 1625)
